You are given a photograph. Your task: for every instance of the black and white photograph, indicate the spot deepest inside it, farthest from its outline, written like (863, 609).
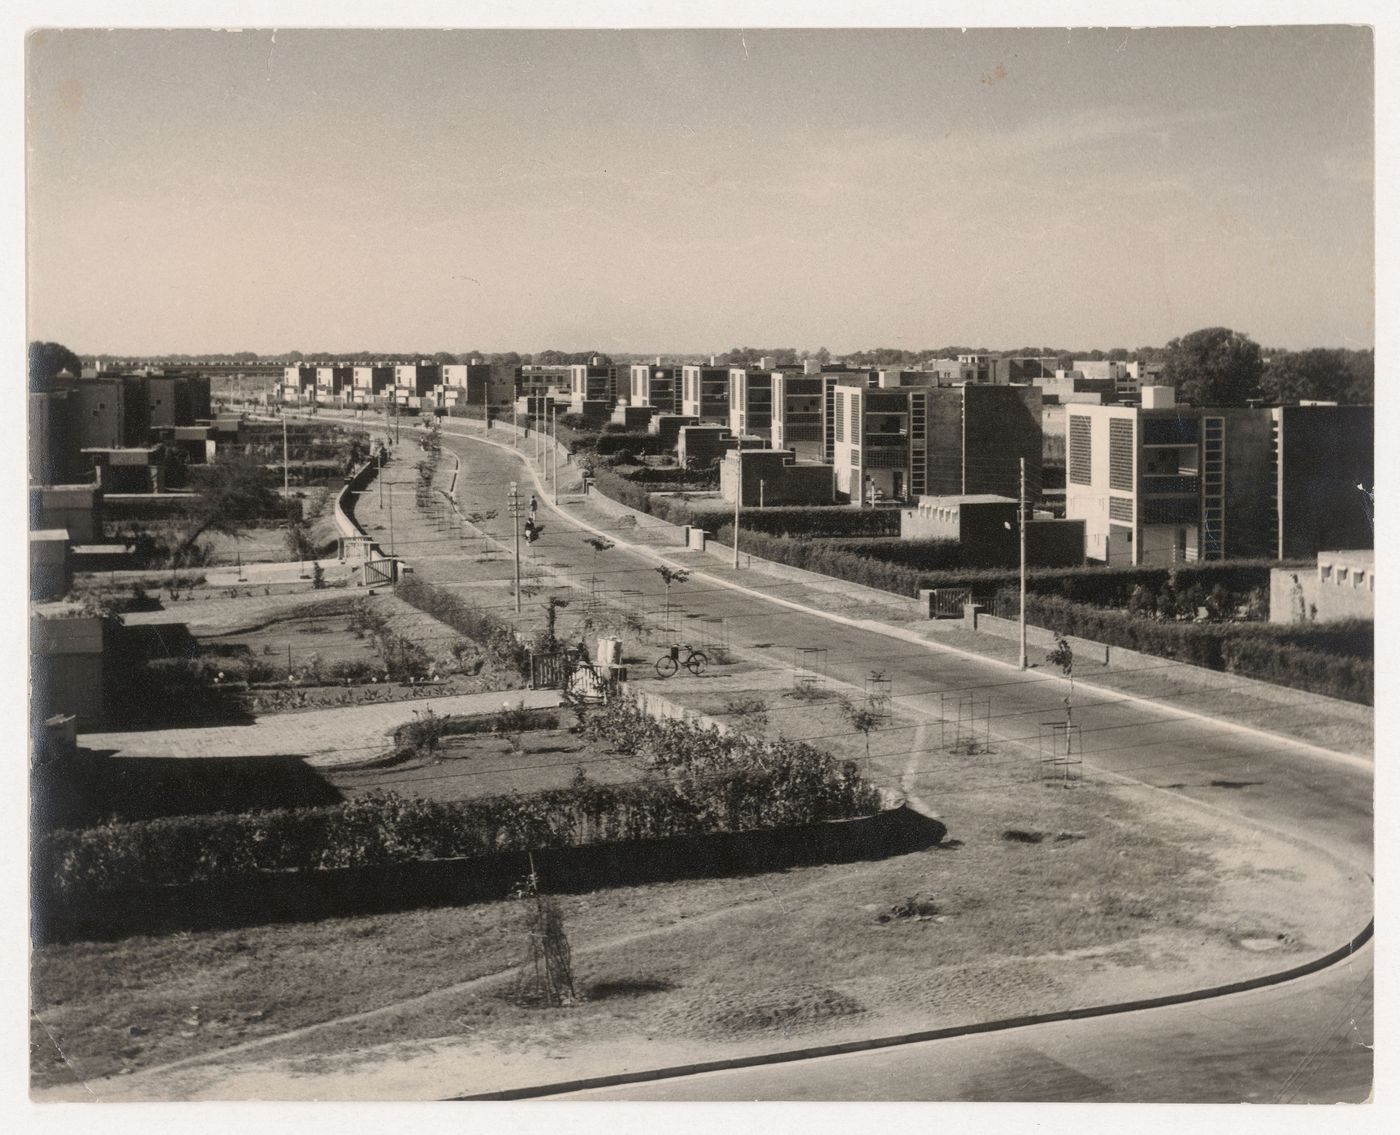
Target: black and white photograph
(627, 555)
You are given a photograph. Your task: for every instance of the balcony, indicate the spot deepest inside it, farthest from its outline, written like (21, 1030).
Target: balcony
(1170, 485)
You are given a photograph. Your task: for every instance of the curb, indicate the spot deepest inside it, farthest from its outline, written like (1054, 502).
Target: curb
(565, 1087)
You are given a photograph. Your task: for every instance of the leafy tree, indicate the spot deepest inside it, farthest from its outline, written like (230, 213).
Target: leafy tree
(1214, 367)
(1297, 375)
(231, 494)
(46, 360)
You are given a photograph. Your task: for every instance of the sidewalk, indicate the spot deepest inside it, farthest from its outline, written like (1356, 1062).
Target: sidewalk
(327, 737)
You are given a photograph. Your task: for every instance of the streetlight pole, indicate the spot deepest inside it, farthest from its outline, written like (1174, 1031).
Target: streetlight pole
(1022, 511)
(554, 442)
(738, 500)
(515, 523)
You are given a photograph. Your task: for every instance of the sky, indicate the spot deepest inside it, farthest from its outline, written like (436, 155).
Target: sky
(689, 191)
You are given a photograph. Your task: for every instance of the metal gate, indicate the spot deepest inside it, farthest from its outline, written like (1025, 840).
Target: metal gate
(947, 602)
(549, 671)
(379, 571)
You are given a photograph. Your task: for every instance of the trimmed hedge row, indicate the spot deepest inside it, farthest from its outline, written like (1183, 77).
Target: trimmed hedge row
(1351, 679)
(702, 479)
(1101, 586)
(604, 444)
(827, 558)
(1254, 650)
(806, 521)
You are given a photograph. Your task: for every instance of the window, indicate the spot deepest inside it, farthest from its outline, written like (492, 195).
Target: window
(1359, 578)
(1342, 574)
(1324, 572)
(1080, 452)
(1120, 454)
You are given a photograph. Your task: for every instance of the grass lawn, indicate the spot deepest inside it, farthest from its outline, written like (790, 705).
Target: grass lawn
(483, 764)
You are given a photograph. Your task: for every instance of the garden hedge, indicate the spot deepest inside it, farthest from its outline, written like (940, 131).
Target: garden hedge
(701, 781)
(1288, 656)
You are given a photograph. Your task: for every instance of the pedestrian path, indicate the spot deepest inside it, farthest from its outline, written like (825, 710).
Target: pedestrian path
(327, 737)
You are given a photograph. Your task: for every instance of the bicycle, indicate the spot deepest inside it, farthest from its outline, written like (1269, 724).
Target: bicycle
(669, 663)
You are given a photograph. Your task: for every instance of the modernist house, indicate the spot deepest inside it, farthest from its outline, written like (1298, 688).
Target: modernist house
(705, 393)
(371, 383)
(656, 385)
(538, 379)
(897, 444)
(593, 381)
(1164, 483)
(298, 384)
(751, 400)
(464, 384)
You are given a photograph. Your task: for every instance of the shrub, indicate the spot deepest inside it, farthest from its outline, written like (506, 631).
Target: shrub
(620, 489)
(351, 670)
(496, 637)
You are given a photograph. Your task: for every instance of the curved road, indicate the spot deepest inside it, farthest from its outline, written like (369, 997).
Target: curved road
(1305, 1040)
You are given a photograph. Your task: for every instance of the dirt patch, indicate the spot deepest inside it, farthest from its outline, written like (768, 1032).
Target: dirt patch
(784, 1010)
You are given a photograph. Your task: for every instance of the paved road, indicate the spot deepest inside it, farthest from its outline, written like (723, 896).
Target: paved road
(1304, 1041)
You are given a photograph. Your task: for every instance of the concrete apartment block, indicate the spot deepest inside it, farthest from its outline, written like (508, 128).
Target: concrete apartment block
(594, 381)
(655, 385)
(751, 401)
(705, 393)
(1162, 483)
(899, 444)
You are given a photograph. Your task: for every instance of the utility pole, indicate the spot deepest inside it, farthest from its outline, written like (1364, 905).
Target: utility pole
(738, 499)
(1022, 511)
(515, 523)
(760, 492)
(286, 477)
(392, 553)
(554, 441)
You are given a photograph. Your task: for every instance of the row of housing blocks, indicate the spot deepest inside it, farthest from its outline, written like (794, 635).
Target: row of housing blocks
(1152, 481)
(441, 386)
